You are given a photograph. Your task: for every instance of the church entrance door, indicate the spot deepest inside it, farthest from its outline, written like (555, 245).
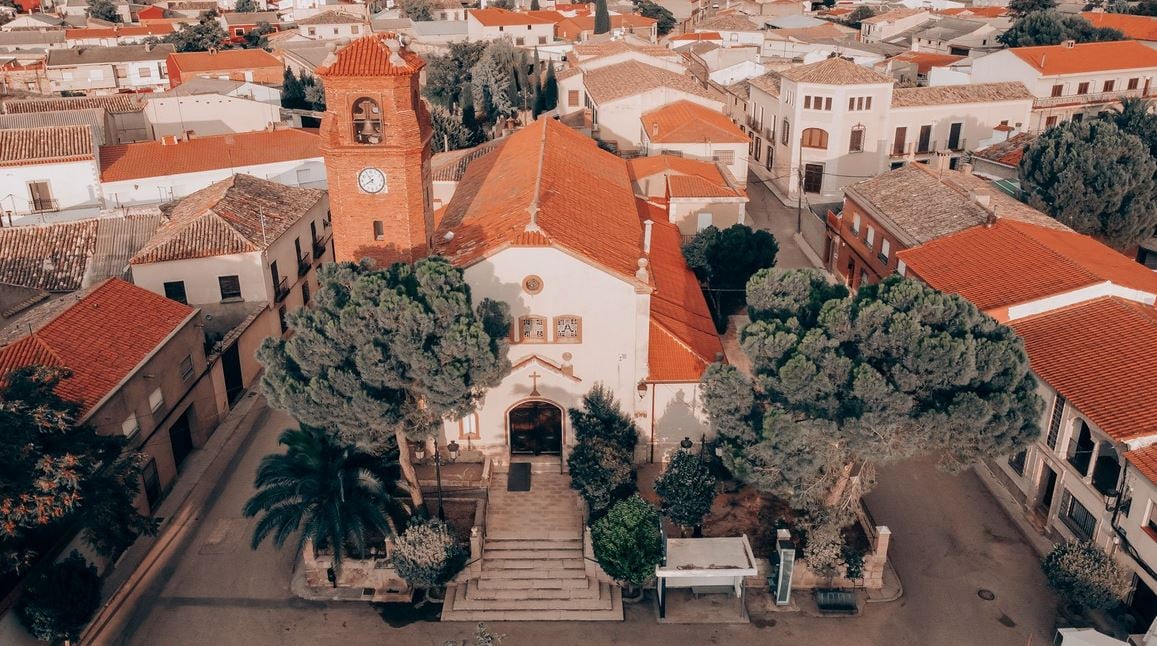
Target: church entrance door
(535, 429)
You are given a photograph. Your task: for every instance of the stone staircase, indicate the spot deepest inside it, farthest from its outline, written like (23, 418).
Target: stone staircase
(532, 566)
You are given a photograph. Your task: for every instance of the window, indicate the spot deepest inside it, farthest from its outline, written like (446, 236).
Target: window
(867, 103)
(532, 329)
(40, 197)
(1016, 461)
(807, 103)
(856, 224)
(814, 138)
(1081, 448)
(828, 103)
(1133, 84)
(175, 291)
(130, 426)
(186, 368)
(885, 250)
(1108, 87)
(520, 41)
(1076, 517)
(355, 29)
(786, 133)
(1055, 421)
(852, 102)
(856, 142)
(924, 143)
(572, 98)
(1151, 523)
(121, 72)
(870, 237)
(312, 31)
(542, 40)
(282, 320)
(1083, 88)
(1078, 117)
(901, 141)
(757, 147)
(770, 156)
(305, 292)
(230, 287)
(156, 400)
(152, 484)
(1058, 89)
(1050, 122)
(379, 230)
(726, 157)
(468, 427)
(367, 121)
(145, 72)
(568, 329)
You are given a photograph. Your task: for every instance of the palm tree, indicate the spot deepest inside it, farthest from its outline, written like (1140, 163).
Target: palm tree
(333, 492)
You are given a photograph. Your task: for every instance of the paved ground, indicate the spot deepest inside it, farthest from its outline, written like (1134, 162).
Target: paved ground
(765, 211)
(950, 539)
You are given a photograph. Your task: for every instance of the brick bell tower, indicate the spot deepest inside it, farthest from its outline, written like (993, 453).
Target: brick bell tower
(375, 138)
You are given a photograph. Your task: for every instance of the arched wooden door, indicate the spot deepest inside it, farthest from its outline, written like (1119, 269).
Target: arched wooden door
(535, 429)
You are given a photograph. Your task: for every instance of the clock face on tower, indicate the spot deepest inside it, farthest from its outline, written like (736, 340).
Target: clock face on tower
(372, 180)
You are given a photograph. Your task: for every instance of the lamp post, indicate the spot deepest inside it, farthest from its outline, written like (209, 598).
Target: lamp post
(452, 451)
(686, 444)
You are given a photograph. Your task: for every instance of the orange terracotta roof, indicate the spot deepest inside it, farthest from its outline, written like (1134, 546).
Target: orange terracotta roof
(1051, 60)
(505, 18)
(225, 59)
(893, 15)
(114, 103)
(371, 56)
(685, 177)
(698, 36)
(114, 32)
(1135, 27)
(236, 215)
(684, 122)
(49, 145)
(1017, 262)
(925, 61)
(979, 12)
(102, 338)
(548, 179)
(1008, 152)
(153, 158)
(1102, 356)
(572, 28)
(1145, 461)
(683, 341)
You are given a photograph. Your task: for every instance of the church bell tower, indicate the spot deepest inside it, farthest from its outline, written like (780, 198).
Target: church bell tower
(375, 138)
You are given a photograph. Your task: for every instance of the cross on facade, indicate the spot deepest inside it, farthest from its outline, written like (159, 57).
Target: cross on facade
(534, 377)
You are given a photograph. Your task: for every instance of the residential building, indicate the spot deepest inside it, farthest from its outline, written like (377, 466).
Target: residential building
(138, 370)
(32, 42)
(691, 130)
(581, 28)
(735, 30)
(522, 29)
(333, 25)
(237, 23)
(97, 119)
(697, 194)
(712, 64)
(22, 74)
(1142, 29)
(33, 22)
(1072, 80)
(49, 172)
(953, 36)
(109, 70)
(883, 26)
(249, 65)
(913, 67)
(205, 107)
(240, 240)
(825, 125)
(1135, 522)
(1000, 160)
(125, 111)
(691, 38)
(155, 172)
(117, 35)
(78, 10)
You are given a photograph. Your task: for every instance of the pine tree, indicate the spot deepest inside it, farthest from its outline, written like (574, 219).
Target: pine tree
(549, 90)
(292, 92)
(534, 6)
(449, 131)
(602, 17)
(386, 354)
(686, 489)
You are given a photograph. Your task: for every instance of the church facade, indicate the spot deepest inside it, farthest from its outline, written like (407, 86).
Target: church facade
(545, 222)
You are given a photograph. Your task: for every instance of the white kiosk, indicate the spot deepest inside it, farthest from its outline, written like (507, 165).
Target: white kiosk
(705, 565)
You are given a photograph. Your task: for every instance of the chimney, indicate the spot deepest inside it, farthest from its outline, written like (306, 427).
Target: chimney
(190, 135)
(654, 128)
(981, 197)
(1069, 44)
(647, 224)
(169, 140)
(966, 168)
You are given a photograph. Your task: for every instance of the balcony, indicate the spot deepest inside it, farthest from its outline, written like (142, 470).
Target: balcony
(1085, 99)
(282, 289)
(43, 205)
(304, 263)
(932, 146)
(319, 247)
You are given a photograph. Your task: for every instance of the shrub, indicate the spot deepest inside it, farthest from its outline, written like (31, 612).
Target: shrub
(602, 466)
(686, 489)
(59, 603)
(627, 541)
(427, 555)
(1085, 575)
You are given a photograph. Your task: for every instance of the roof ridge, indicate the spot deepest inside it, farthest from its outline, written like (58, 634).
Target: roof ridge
(532, 225)
(1065, 258)
(677, 339)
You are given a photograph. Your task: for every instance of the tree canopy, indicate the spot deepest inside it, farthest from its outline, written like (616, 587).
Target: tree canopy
(1052, 28)
(1084, 574)
(1023, 7)
(449, 131)
(627, 541)
(417, 10)
(201, 36)
(387, 353)
(59, 603)
(723, 261)
(103, 10)
(494, 87)
(686, 489)
(860, 14)
(602, 17)
(602, 464)
(245, 6)
(447, 74)
(894, 371)
(1094, 178)
(665, 19)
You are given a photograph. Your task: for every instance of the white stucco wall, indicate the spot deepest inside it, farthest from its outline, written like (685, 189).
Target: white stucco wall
(208, 114)
(619, 120)
(75, 186)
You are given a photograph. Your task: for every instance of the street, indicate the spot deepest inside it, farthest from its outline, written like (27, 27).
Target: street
(949, 540)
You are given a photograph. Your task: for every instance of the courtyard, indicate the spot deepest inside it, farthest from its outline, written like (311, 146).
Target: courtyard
(950, 539)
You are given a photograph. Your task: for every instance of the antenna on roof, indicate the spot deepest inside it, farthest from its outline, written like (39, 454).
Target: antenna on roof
(261, 216)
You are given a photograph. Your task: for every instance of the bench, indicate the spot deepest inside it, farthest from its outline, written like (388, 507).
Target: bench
(698, 590)
(837, 602)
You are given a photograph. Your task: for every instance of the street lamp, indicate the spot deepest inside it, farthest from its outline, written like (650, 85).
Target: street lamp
(686, 444)
(452, 449)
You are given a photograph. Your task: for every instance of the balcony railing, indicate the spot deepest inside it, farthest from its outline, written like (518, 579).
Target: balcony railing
(43, 204)
(319, 247)
(1086, 99)
(932, 146)
(303, 264)
(282, 289)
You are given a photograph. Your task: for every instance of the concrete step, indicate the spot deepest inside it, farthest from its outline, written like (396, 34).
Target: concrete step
(528, 533)
(548, 565)
(530, 573)
(450, 611)
(591, 591)
(520, 544)
(491, 554)
(489, 582)
(463, 600)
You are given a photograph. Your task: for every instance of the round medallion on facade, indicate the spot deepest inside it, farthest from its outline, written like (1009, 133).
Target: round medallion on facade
(532, 284)
(371, 180)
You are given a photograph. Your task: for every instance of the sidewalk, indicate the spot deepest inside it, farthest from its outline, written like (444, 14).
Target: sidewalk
(197, 484)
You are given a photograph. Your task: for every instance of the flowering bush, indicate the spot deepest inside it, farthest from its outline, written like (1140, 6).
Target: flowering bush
(426, 555)
(1085, 575)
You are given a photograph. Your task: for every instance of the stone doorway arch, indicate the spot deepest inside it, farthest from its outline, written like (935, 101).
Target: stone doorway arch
(535, 427)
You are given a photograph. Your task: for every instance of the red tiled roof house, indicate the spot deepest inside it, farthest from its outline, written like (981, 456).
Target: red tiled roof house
(252, 65)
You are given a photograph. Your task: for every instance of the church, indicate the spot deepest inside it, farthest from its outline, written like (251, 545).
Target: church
(546, 222)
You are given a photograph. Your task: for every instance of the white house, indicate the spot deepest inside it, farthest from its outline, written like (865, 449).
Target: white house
(697, 193)
(828, 124)
(109, 70)
(886, 25)
(523, 29)
(1072, 81)
(734, 30)
(154, 172)
(694, 131)
(270, 239)
(198, 107)
(333, 25)
(48, 174)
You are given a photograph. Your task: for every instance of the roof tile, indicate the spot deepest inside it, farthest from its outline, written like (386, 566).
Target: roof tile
(687, 122)
(1051, 60)
(154, 158)
(630, 78)
(48, 145)
(835, 70)
(372, 56)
